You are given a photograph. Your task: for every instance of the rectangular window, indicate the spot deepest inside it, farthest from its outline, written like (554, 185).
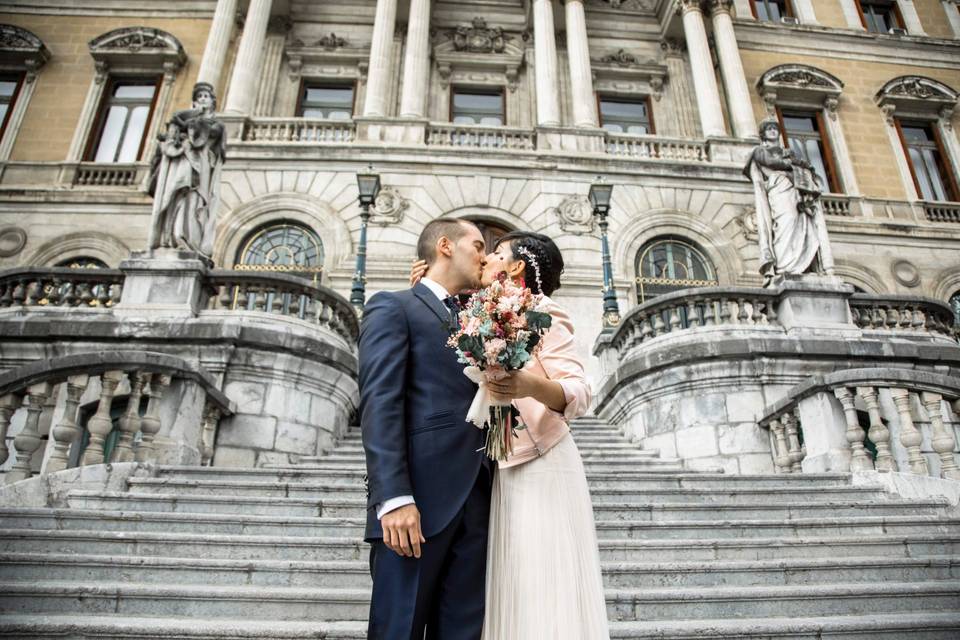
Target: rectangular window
(329, 101)
(9, 89)
(477, 106)
(626, 115)
(924, 150)
(879, 16)
(804, 135)
(771, 10)
(123, 120)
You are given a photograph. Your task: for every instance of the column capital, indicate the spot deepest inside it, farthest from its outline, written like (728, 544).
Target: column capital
(686, 6)
(720, 6)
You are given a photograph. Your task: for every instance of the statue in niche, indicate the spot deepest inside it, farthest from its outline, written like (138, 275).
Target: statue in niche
(185, 177)
(790, 224)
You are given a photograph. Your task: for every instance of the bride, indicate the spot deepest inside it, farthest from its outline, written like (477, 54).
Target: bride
(543, 566)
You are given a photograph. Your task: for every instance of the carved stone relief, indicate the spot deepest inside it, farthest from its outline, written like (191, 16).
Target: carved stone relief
(389, 207)
(12, 241)
(575, 215)
(906, 273)
(747, 221)
(479, 38)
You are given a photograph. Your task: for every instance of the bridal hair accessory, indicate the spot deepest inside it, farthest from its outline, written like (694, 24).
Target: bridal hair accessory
(526, 253)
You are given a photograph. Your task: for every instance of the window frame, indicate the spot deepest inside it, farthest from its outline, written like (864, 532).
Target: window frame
(829, 164)
(943, 160)
(479, 90)
(627, 100)
(788, 5)
(896, 12)
(102, 110)
(306, 83)
(20, 76)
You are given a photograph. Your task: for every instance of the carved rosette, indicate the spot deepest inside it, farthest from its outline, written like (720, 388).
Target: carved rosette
(747, 221)
(479, 38)
(389, 207)
(575, 215)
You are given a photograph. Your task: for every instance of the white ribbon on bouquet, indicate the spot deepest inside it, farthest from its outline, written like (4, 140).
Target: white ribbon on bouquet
(479, 412)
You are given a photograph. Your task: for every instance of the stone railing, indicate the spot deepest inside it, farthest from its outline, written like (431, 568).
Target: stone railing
(902, 314)
(102, 375)
(60, 287)
(305, 130)
(285, 295)
(692, 308)
(836, 205)
(942, 211)
(817, 426)
(480, 137)
(102, 174)
(655, 147)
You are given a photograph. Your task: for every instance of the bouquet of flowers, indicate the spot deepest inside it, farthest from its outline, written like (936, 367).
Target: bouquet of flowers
(499, 331)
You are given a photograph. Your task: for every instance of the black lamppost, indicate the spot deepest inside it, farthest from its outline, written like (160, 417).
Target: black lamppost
(368, 186)
(600, 194)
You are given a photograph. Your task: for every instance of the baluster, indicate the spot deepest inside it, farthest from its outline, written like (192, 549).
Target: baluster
(756, 317)
(130, 420)
(29, 440)
(67, 293)
(792, 424)
(8, 406)
(709, 313)
(102, 294)
(781, 450)
(910, 436)
(20, 292)
(260, 295)
(878, 432)
(116, 291)
(855, 316)
(67, 432)
(296, 300)
(276, 301)
(891, 317)
(646, 329)
(658, 325)
(675, 316)
(211, 418)
(150, 423)
(225, 299)
(7, 299)
(942, 439)
(693, 315)
(100, 425)
(770, 307)
(86, 294)
(859, 460)
(741, 311)
(725, 310)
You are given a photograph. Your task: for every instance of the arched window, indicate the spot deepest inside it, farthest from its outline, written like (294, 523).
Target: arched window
(284, 247)
(955, 305)
(668, 264)
(80, 262)
(83, 262)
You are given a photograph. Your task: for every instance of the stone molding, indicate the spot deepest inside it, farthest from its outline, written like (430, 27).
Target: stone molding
(799, 84)
(624, 72)
(917, 96)
(95, 244)
(468, 52)
(138, 48)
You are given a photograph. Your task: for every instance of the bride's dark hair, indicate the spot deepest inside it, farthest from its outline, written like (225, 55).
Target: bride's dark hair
(546, 255)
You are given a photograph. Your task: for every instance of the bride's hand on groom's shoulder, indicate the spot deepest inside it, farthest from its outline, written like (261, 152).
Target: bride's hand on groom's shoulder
(417, 271)
(401, 531)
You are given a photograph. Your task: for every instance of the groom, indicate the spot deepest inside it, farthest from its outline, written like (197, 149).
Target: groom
(429, 485)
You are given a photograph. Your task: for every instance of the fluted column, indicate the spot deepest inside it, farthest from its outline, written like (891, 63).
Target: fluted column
(416, 61)
(246, 69)
(378, 75)
(218, 41)
(545, 50)
(581, 76)
(731, 68)
(701, 65)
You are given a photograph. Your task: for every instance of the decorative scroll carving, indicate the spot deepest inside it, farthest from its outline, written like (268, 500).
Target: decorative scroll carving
(917, 95)
(626, 5)
(20, 48)
(13, 37)
(331, 41)
(389, 207)
(138, 45)
(575, 215)
(747, 221)
(479, 38)
(621, 58)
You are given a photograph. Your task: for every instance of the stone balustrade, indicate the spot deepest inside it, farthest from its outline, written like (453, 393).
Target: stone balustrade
(98, 379)
(280, 294)
(110, 174)
(836, 205)
(902, 314)
(480, 137)
(300, 130)
(655, 147)
(883, 419)
(60, 287)
(942, 211)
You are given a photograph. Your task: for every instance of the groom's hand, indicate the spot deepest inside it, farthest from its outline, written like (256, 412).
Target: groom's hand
(401, 531)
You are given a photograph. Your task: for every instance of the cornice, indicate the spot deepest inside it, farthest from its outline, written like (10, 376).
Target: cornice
(138, 8)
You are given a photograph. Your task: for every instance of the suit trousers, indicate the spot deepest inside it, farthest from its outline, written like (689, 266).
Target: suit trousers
(439, 596)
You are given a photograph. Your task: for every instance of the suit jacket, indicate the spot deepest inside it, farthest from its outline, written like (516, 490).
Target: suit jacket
(414, 400)
(557, 361)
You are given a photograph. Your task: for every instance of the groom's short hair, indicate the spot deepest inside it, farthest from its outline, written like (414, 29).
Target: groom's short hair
(451, 228)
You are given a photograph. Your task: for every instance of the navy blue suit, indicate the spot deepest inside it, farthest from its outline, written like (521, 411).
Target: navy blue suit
(413, 405)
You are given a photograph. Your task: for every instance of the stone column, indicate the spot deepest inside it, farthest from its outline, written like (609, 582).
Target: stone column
(246, 69)
(581, 76)
(953, 16)
(416, 62)
(545, 50)
(911, 21)
(218, 41)
(378, 76)
(680, 91)
(701, 65)
(731, 67)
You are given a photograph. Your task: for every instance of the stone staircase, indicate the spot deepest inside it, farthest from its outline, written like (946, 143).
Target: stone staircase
(275, 553)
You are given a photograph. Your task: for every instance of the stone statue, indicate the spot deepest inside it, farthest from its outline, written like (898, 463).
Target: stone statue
(185, 177)
(790, 224)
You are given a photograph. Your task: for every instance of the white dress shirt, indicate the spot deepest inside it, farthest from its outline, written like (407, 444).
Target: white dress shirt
(393, 504)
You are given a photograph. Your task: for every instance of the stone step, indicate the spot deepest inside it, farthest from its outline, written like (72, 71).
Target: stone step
(91, 569)
(355, 457)
(299, 603)
(646, 465)
(915, 626)
(612, 446)
(308, 548)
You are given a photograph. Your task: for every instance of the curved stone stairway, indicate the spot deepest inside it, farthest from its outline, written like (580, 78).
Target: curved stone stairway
(276, 553)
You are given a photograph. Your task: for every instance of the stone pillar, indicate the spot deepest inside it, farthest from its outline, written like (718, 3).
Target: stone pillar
(378, 75)
(246, 69)
(848, 177)
(218, 41)
(731, 67)
(704, 80)
(545, 51)
(416, 62)
(911, 21)
(680, 91)
(953, 16)
(270, 75)
(581, 76)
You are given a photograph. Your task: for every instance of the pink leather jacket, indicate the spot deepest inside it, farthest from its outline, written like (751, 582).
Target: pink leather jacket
(556, 361)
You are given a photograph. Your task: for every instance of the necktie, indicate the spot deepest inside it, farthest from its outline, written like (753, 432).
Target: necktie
(453, 304)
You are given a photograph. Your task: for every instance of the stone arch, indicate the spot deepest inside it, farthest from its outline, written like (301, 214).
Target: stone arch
(496, 215)
(236, 225)
(858, 275)
(80, 244)
(948, 283)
